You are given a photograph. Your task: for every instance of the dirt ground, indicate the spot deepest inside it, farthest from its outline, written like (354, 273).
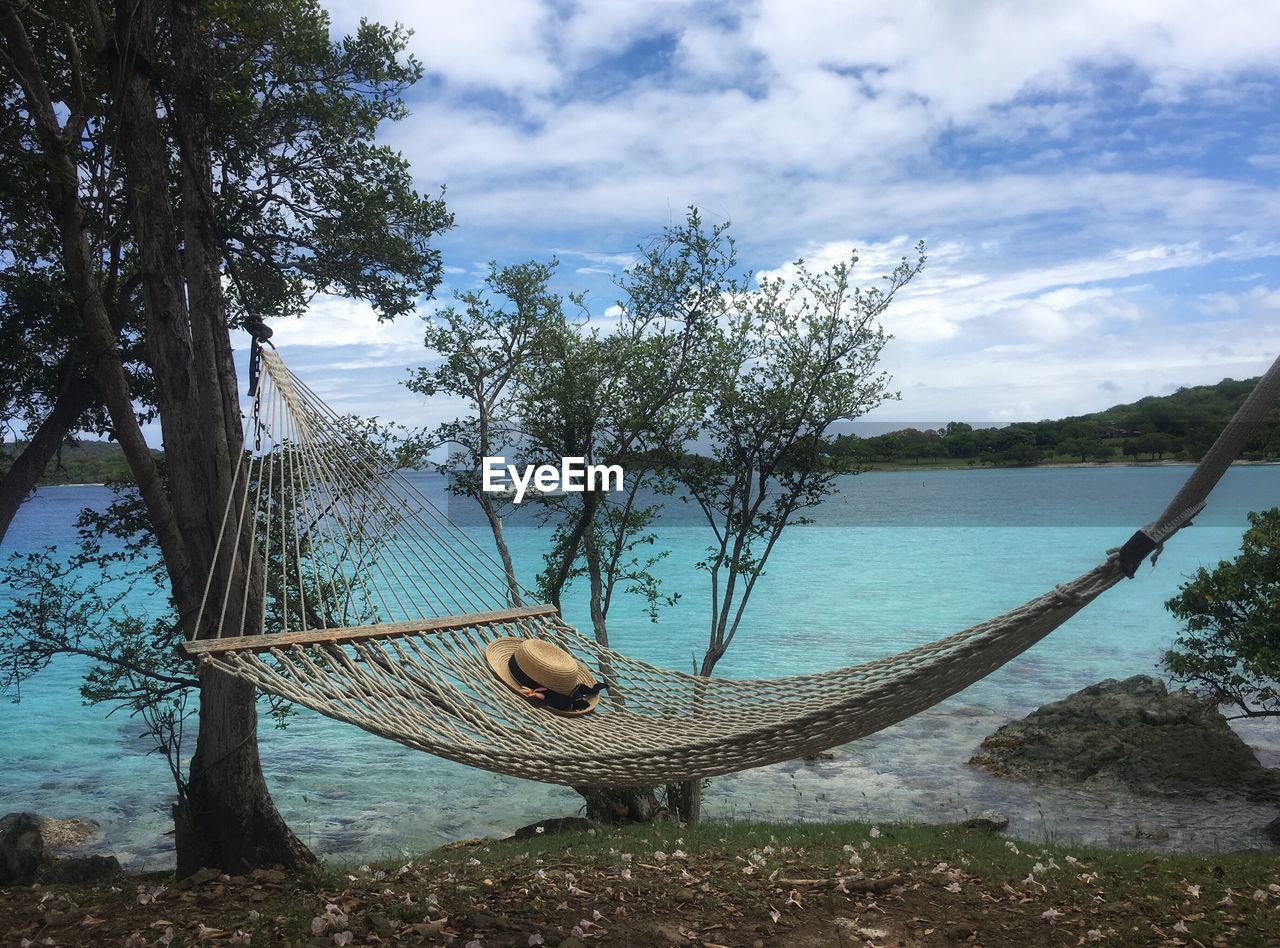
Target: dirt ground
(760, 886)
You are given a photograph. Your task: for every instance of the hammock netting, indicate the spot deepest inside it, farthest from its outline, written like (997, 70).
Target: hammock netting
(358, 598)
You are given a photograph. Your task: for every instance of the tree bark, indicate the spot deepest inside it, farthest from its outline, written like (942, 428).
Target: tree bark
(686, 800)
(227, 818)
(621, 804)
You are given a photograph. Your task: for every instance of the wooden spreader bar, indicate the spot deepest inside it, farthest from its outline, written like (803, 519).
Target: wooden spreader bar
(262, 643)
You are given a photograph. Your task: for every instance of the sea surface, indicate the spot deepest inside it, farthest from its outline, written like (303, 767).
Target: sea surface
(895, 559)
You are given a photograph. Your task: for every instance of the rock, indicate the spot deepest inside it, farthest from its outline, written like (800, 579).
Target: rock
(1158, 833)
(1133, 734)
(21, 848)
(63, 833)
(818, 756)
(988, 821)
(81, 869)
(1272, 831)
(560, 824)
(199, 877)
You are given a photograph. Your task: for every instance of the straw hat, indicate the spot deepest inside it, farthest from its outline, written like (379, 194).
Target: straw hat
(545, 674)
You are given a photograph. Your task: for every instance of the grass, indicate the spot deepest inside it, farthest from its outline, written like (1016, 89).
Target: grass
(713, 884)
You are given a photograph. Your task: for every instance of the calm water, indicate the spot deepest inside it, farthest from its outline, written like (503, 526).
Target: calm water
(896, 559)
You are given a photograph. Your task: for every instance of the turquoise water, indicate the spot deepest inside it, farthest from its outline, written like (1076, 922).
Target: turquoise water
(894, 560)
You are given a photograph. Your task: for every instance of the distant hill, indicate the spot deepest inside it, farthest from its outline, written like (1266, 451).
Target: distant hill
(1187, 406)
(81, 462)
(1180, 426)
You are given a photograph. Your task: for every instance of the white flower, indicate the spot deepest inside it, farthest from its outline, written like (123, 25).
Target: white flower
(240, 938)
(1029, 880)
(473, 861)
(577, 931)
(874, 832)
(953, 887)
(539, 830)
(1009, 845)
(1180, 927)
(319, 924)
(1259, 895)
(597, 915)
(678, 854)
(342, 938)
(254, 915)
(1050, 914)
(1193, 891)
(625, 857)
(940, 868)
(167, 936)
(774, 914)
(1093, 934)
(1073, 860)
(659, 856)
(626, 873)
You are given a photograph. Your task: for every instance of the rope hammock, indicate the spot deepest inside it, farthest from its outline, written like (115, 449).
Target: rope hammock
(361, 600)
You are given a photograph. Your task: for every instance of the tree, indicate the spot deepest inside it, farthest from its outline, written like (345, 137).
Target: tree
(482, 345)
(615, 394)
(1085, 448)
(791, 359)
(117, 116)
(1156, 444)
(1230, 647)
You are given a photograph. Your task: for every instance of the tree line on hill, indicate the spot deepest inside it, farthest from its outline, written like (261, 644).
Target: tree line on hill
(78, 462)
(1180, 426)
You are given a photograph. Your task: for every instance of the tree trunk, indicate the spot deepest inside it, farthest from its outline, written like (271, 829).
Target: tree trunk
(685, 800)
(228, 819)
(504, 552)
(76, 396)
(621, 804)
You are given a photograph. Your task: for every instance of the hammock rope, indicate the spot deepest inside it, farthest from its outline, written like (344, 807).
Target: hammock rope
(365, 602)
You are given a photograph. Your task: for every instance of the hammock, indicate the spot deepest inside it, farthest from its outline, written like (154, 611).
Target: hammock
(380, 608)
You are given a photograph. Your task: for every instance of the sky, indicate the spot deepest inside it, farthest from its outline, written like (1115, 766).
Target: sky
(1096, 182)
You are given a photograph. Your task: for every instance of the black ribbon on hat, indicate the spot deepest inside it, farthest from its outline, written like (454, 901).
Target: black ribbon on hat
(577, 701)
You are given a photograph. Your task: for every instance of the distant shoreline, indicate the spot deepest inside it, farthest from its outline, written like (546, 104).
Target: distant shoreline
(1091, 465)
(937, 468)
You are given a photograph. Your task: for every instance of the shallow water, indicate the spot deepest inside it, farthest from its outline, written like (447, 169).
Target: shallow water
(896, 560)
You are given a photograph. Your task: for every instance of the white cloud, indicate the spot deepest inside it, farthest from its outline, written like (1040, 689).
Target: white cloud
(1030, 144)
